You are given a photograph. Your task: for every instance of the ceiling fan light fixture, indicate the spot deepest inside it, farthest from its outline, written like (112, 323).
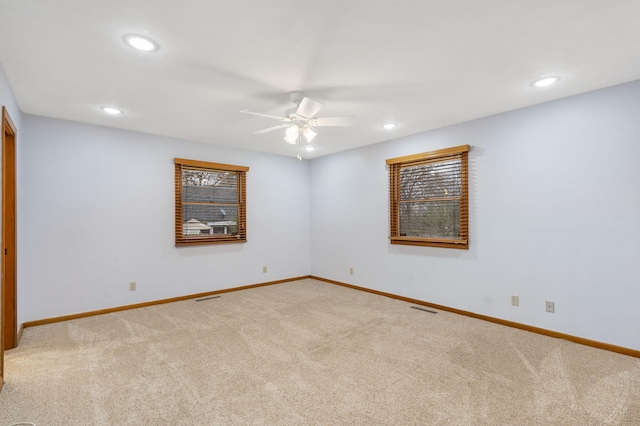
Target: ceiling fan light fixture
(292, 131)
(292, 134)
(309, 134)
(546, 81)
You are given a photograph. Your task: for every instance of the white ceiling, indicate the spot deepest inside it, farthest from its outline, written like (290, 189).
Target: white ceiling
(422, 64)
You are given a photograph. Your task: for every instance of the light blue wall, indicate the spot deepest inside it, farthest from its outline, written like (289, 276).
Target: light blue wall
(8, 100)
(554, 215)
(97, 212)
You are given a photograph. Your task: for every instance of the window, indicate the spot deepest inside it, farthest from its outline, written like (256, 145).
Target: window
(428, 198)
(210, 203)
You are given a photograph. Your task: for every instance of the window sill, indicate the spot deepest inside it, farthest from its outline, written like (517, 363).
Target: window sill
(208, 241)
(431, 242)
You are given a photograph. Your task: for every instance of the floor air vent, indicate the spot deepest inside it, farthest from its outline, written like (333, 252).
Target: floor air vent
(207, 298)
(423, 309)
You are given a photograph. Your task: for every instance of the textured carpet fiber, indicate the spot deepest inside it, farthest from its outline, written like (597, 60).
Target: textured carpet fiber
(308, 352)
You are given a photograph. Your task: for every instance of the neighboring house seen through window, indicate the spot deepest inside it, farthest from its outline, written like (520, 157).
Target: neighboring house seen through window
(429, 198)
(210, 203)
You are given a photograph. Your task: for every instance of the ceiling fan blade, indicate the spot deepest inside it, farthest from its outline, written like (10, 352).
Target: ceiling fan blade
(309, 107)
(259, 114)
(335, 121)
(271, 129)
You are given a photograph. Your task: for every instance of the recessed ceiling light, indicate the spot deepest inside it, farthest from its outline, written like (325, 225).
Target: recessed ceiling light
(546, 81)
(389, 126)
(309, 148)
(111, 110)
(140, 42)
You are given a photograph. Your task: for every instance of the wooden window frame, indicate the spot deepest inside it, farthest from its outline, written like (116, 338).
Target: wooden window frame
(396, 164)
(182, 164)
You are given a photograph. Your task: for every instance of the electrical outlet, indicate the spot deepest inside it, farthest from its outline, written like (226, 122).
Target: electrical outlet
(549, 306)
(515, 300)
(132, 286)
(264, 269)
(350, 271)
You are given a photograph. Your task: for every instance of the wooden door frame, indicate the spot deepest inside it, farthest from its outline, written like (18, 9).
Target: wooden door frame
(9, 326)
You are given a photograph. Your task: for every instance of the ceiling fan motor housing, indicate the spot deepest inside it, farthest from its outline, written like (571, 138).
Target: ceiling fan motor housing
(296, 97)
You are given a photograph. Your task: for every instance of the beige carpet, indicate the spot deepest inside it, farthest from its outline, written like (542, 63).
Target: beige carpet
(309, 353)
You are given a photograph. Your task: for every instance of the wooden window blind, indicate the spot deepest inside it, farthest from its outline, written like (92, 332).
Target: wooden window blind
(210, 203)
(429, 198)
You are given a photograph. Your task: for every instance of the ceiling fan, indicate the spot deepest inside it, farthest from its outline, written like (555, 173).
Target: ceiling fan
(301, 120)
